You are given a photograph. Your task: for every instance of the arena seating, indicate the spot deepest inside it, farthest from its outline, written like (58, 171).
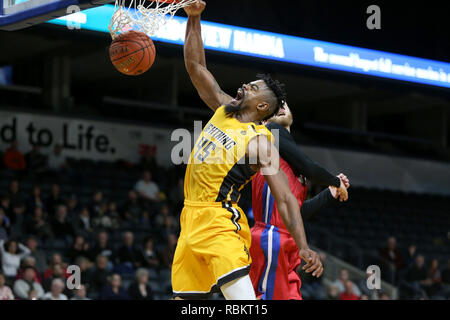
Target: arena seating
(353, 231)
(356, 230)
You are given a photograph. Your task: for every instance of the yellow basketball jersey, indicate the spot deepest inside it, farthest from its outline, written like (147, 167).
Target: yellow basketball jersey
(218, 168)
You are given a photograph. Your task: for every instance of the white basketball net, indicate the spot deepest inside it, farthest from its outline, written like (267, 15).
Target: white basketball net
(143, 15)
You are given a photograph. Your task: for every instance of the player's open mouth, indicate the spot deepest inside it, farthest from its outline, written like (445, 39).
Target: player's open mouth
(239, 97)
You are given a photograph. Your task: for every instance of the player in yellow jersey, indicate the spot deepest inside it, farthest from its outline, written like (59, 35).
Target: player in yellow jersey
(213, 248)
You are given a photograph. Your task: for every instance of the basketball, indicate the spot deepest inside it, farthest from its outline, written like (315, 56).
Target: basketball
(132, 53)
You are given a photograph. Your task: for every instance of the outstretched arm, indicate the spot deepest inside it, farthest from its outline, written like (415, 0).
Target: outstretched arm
(195, 61)
(326, 198)
(267, 158)
(301, 164)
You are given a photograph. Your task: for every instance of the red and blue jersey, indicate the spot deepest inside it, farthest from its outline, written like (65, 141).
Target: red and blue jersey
(263, 203)
(274, 252)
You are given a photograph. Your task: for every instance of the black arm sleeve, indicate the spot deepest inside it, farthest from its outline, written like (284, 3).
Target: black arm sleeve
(321, 200)
(299, 161)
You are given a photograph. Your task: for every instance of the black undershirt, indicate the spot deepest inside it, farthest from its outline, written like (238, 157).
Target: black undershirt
(301, 164)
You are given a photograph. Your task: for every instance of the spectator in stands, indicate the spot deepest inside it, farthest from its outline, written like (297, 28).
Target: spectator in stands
(102, 220)
(342, 281)
(72, 206)
(364, 297)
(56, 259)
(128, 218)
(128, 256)
(80, 293)
(11, 253)
(418, 273)
(169, 250)
(146, 219)
(149, 256)
(333, 293)
(57, 162)
(161, 217)
(99, 275)
(101, 247)
(14, 194)
(5, 225)
(17, 218)
(140, 289)
(61, 227)
(28, 262)
(36, 162)
(37, 226)
(54, 200)
(97, 202)
(371, 293)
(416, 279)
(348, 294)
(85, 265)
(14, 159)
(35, 200)
(80, 248)
(392, 259)
(22, 287)
(410, 255)
(5, 291)
(147, 190)
(39, 255)
(83, 223)
(169, 227)
(132, 207)
(434, 274)
(5, 204)
(114, 214)
(56, 290)
(57, 272)
(114, 290)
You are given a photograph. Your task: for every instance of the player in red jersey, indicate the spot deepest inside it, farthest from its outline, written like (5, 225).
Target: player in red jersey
(274, 253)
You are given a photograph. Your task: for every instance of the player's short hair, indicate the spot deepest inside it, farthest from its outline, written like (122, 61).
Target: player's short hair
(277, 88)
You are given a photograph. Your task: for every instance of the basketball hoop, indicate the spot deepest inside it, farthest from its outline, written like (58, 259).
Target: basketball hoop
(143, 15)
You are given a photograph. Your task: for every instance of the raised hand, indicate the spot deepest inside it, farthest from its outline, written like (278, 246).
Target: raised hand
(195, 9)
(344, 178)
(341, 193)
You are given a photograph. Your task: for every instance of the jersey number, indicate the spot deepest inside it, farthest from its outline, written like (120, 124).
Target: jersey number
(204, 148)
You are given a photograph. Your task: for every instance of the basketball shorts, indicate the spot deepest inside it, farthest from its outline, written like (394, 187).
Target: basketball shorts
(276, 259)
(212, 250)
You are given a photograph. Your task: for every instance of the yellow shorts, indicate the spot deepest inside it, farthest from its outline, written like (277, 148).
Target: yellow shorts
(212, 250)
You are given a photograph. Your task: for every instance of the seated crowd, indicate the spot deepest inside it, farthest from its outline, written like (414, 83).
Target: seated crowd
(118, 245)
(124, 246)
